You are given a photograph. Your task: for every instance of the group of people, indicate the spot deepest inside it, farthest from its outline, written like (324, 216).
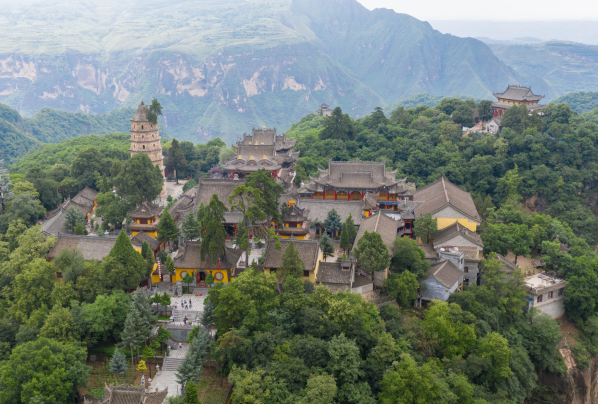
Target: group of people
(184, 304)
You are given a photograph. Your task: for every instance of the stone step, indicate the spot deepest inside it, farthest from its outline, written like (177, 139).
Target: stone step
(172, 364)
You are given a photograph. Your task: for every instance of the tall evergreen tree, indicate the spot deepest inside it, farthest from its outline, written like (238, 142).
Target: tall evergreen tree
(124, 267)
(190, 230)
(190, 368)
(333, 223)
(292, 264)
(337, 126)
(201, 214)
(176, 159)
(270, 192)
(212, 243)
(142, 303)
(327, 246)
(351, 230)
(148, 256)
(118, 364)
(155, 109)
(133, 332)
(344, 244)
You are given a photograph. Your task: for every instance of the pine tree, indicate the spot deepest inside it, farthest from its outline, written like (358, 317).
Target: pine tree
(207, 316)
(118, 364)
(201, 214)
(191, 393)
(327, 246)
(344, 244)
(214, 238)
(79, 230)
(191, 366)
(333, 222)
(190, 229)
(167, 229)
(72, 217)
(142, 303)
(292, 264)
(169, 264)
(132, 334)
(148, 257)
(351, 230)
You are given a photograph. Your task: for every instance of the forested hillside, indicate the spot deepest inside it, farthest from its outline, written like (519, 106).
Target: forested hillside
(582, 102)
(21, 134)
(548, 164)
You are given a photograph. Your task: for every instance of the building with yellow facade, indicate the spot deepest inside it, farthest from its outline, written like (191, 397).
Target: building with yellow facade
(294, 223)
(188, 261)
(309, 252)
(448, 204)
(146, 218)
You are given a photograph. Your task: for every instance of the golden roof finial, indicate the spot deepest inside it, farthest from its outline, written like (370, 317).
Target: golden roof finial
(264, 126)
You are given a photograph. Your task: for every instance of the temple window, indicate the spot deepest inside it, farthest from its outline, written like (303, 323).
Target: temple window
(141, 126)
(144, 146)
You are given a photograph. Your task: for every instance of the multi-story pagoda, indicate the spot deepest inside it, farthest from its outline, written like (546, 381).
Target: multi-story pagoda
(294, 223)
(146, 218)
(516, 95)
(145, 138)
(353, 180)
(262, 150)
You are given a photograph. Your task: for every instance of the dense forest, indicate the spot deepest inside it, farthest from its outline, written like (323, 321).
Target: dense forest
(283, 341)
(21, 134)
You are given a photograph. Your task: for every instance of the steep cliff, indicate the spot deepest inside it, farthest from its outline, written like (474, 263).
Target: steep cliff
(220, 68)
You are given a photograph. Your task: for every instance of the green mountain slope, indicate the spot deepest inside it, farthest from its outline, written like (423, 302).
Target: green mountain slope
(553, 68)
(581, 102)
(20, 134)
(222, 67)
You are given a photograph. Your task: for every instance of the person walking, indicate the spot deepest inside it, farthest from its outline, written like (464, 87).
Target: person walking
(180, 346)
(190, 306)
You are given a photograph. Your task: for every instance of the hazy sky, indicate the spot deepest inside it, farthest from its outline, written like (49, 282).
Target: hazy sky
(491, 10)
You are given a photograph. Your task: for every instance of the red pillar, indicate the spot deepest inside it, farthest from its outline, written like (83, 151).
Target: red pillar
(348, 194)
(335, 194)
(362, 193)
(324, 194)
(387, 196)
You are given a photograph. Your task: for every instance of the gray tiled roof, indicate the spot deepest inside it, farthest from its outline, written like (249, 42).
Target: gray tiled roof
(443, 193)
(295, 214)
(457, 229)
(221, 187)
(506, 105)
(317, 209)
(382, 224)
(142, 236)
(446, 273)
(505, 261)
(190, 258)
(92, 248)
(519, 93)
(309, 250)
(428, 250)
(55, 224)
(185, 203)
(145, 211)
(126, 394)
(332, 272)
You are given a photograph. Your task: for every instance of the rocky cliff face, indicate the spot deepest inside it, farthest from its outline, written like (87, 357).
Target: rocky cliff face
(577, 386)
(220, 70)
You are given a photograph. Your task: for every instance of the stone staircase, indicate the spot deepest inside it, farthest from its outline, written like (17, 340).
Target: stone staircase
(171, 364)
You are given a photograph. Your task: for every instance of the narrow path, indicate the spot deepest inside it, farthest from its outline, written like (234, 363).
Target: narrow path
(167, 376)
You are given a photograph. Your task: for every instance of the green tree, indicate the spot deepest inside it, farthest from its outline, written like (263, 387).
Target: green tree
(191, 367)
(351, 230)
(22, 377)
(249, 201)
(60, 326)
(148, 257)
(210, 280)
(407, 256)
(176, 159)
(442, 323)
(88, 167)
(32, 289)
(463, 115)
(508, 186)
(321, 389)
(333, 223)
(212, 242)
(402, 287)
(24, 207)
(515, 118)
(139, 180)
(167, 228)
(485, 111)
(191, 393)
(410, 384)
(337, 126)
(292, 264)
(70, 263)
(371, 253)
(124, 267)
(270, 192)
(112, 208)
(104, 317)
(495, 349)
(190, 229)
(133, 333)
(118, 364)
(155, 109)
(79, 230)
(63, 294)
(425, 227)
(327, 246)
(344, 241)
(188, 279)
(377, 118)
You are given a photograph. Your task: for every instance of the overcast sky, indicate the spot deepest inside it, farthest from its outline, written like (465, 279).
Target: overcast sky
(508, 10)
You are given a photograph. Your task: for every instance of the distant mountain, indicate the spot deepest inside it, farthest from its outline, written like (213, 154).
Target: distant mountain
(553, 68)
(581, 102)
(20, 134)
(220, 68)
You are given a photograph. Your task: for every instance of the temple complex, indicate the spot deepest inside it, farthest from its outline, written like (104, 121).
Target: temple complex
(145, 138)
(516, 95)
(353, 180)
(146, 218)
(262, 150)
(294, 223)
